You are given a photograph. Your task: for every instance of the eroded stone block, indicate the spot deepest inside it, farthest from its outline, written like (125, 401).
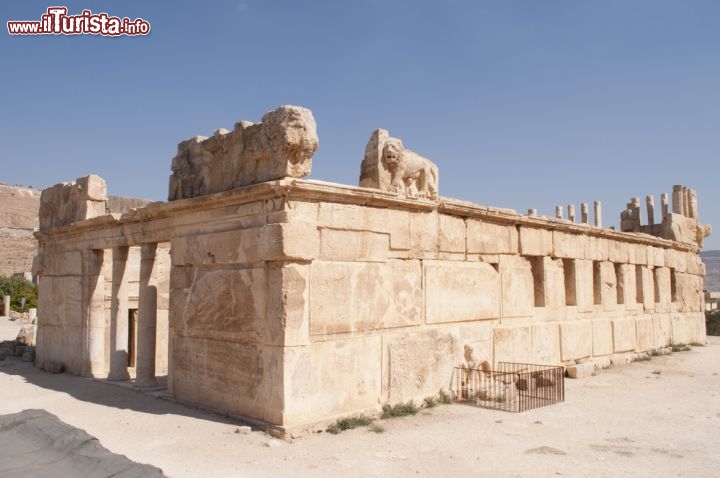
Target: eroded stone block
(457, 291)
(227, 304)
(288, 306)
(517, 287)
(239, 378)
(576, 339)
(329, 378)
(280, 146)
(645, 334)
(683, 329)
(451, 234)
(489, 238)
(584, 285)
(535, 241)
(63, 264)
(571, 246)
(368, 296)
(272, 242)
(608, 286)
(626, 286)
(618, 252)
(554, 282)
(358, 218)
(662, 330)
(688, 293)
(598, 248)
(624, 335)
(418, 364)
(545, 344)
(66, 203)
(512, 344)
(580, 370)
(648, 288)
(662, 291)
(602, 337)
(423, 234)
(337, 245)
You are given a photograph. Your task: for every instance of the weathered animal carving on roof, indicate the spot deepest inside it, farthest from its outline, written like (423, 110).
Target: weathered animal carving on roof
(280, 146)
(389, 166)
(411, 174)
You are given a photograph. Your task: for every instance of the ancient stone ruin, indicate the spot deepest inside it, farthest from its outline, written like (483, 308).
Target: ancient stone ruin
(292, 302)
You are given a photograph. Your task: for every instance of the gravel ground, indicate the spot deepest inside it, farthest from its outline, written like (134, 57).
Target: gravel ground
(657, 418)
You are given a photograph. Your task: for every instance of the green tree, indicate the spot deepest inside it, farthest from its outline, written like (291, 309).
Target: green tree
(18, 287)
(712, 321)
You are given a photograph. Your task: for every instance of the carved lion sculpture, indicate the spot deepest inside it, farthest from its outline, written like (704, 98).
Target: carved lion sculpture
(280, 146)
(703, 231)
(412, 174)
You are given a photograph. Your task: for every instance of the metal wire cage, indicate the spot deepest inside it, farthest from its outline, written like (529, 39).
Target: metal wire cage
(512, 387)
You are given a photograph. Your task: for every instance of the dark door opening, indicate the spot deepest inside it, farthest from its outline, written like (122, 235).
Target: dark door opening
(132, 336)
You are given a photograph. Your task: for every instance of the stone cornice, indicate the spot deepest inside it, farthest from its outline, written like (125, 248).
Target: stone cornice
(314, 190)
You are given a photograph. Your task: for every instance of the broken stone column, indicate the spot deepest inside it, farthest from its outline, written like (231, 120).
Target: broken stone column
(94, 306)
(373, 173)
(584, 215)
(532, 212)
(630, 217)
(650, 205)
(682, 225)
(598, 214)
(692, 204)
(119, 316)
(559, 212)
(664, 206)
(6, 306)
(571, 212)
(147, 318)
(678, 203)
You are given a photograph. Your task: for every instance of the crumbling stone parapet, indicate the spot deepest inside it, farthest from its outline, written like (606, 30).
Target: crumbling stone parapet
(66, 203)
(680, 225)
(280, 146)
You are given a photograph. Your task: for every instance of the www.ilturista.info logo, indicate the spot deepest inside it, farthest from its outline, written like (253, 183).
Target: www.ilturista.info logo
(57, 22)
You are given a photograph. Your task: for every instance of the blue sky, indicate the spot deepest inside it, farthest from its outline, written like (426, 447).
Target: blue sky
(522, 104)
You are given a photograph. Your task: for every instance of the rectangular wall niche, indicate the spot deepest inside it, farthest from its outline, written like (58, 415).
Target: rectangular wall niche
(537, 266)
(597, 283)
(639, 292)
(620, 283)
(569, 277)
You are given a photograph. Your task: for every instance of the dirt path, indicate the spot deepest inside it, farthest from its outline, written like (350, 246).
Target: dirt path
(655, 418)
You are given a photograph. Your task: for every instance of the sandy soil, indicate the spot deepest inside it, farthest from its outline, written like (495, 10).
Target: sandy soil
(657, 418)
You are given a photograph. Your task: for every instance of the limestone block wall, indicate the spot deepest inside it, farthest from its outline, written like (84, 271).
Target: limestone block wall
(73, 291)
(75, 309)
(66, 203)
(236, 309)
(294, 302)
(395, 293)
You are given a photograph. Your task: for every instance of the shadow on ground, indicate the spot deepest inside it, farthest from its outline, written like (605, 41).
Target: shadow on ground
(37, 443)
(121, 396)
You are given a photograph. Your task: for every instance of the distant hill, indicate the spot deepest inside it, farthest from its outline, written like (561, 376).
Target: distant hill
(712, 270)
(18, 217)
(19, 207)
